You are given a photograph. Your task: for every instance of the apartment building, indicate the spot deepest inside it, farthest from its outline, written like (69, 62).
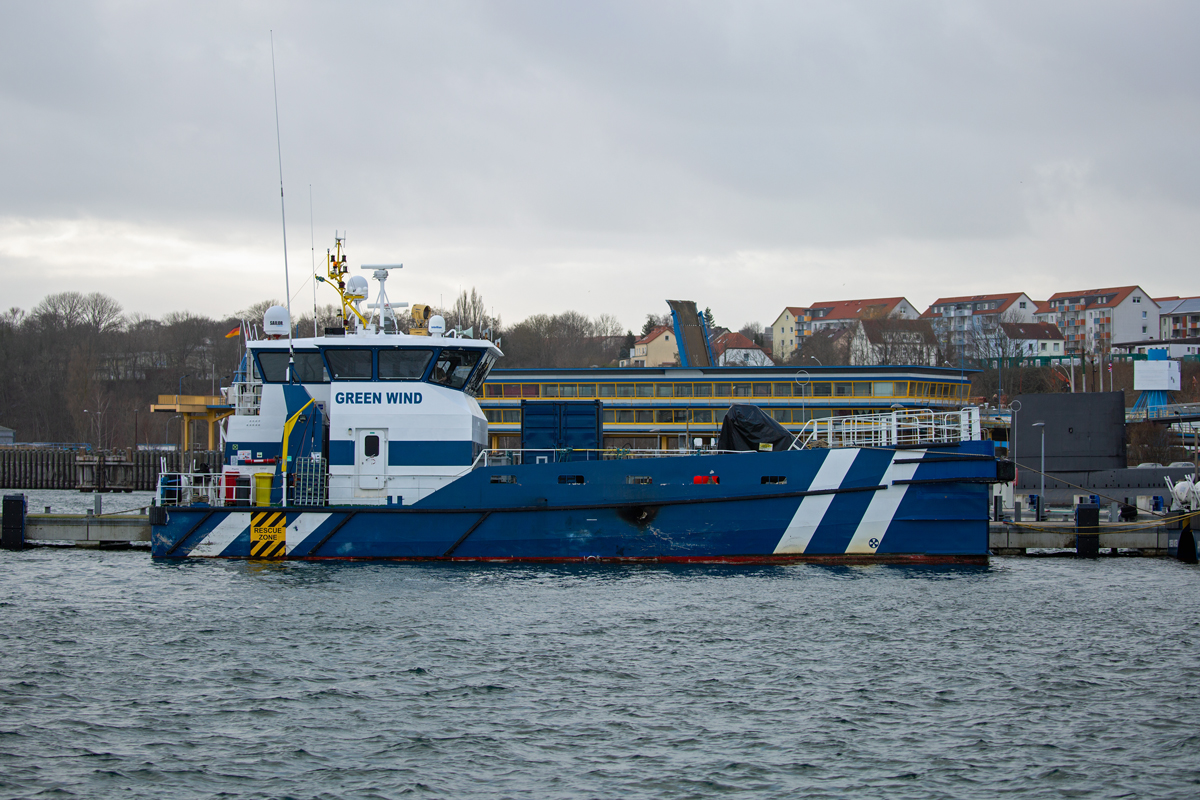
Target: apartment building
(787, 330)
(972, 322)
(796, 322)
(1179, 317)
(1092, 319)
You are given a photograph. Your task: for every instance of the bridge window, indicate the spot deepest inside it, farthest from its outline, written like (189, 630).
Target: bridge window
(663, 390)
(703, 389)
(683, 390)
(454, 366)
(607, 390)
(550, 390)
(310, 367)
(512, 416)
(645, 390)
(722, 389)
(349, 365)
(841, 390)
(587, 390)
(567, 390)
(624, 390)
(645, 415)
(862, 389)
(624, 416)
(783, 390)
(403, 365)
(762, 390)
(702, 415)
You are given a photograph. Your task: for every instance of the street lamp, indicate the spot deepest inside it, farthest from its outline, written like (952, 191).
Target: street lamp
(1042, 497)
(180, 390)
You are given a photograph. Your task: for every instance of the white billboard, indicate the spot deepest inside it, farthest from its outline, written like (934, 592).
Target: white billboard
(1156, 375)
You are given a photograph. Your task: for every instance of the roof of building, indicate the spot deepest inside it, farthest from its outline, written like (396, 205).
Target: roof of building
(1031, 330)
(1117, 295)
(796, 311)
(1179, 305)
(877, 329)
(732, 341)
(654, 334)
(1043, 307)
(857, 309)
(1003, 301)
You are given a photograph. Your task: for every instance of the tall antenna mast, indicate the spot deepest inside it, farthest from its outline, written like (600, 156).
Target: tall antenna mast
(313, 243)
(287, 287)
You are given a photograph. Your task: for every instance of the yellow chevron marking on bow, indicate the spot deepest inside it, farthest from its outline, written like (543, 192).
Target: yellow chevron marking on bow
(268, 534)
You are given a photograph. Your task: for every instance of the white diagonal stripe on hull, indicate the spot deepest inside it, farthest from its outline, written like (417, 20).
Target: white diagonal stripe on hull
(302, 527)
(219, 537)
(812, 509)
(882, 508)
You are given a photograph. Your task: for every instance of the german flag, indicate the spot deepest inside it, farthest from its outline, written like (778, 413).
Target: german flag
(233, 333)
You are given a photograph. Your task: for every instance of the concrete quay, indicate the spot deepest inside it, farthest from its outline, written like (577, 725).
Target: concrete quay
(87, 530)
(1016, 539)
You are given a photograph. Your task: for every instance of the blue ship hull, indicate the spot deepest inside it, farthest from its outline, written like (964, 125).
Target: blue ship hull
(854, 504)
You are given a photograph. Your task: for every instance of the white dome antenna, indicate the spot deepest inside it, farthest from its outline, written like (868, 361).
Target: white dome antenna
(276, 322)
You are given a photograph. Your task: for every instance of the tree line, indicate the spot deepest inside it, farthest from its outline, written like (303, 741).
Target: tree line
(77, 368)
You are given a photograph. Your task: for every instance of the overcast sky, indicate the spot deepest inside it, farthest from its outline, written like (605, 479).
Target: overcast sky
(600, 157)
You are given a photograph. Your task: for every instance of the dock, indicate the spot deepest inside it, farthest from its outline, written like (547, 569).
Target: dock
(1017, 539)
(87, 530)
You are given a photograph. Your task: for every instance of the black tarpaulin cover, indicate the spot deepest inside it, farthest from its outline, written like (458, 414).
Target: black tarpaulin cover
(747, 426)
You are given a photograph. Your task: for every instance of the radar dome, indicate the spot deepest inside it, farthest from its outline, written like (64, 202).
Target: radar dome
(437, 325)
(357, 286)
(275, 321)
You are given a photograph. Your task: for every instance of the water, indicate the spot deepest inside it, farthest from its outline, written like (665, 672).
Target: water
(122, 677)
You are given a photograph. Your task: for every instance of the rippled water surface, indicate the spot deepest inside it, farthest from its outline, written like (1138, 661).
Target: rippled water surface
(122, 677)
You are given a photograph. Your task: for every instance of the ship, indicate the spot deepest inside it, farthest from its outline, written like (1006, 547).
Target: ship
(368, 442)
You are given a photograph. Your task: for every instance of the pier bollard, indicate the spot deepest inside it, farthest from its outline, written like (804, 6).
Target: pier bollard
(12, 529)
(1087, 530)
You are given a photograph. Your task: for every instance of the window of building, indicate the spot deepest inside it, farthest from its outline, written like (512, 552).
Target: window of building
(645, 390)
(624, 390)
(703, 389)
(1143, 315)
(1143, 329)
(512, 416)
(623, 415)
(1044, 345)
(722, 389)
(1137, 299)
(644, 415)
(1022, 304)
(683, 390)
(663, 390)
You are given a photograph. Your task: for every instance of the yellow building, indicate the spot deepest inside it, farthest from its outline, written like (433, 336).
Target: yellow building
(656, 349)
